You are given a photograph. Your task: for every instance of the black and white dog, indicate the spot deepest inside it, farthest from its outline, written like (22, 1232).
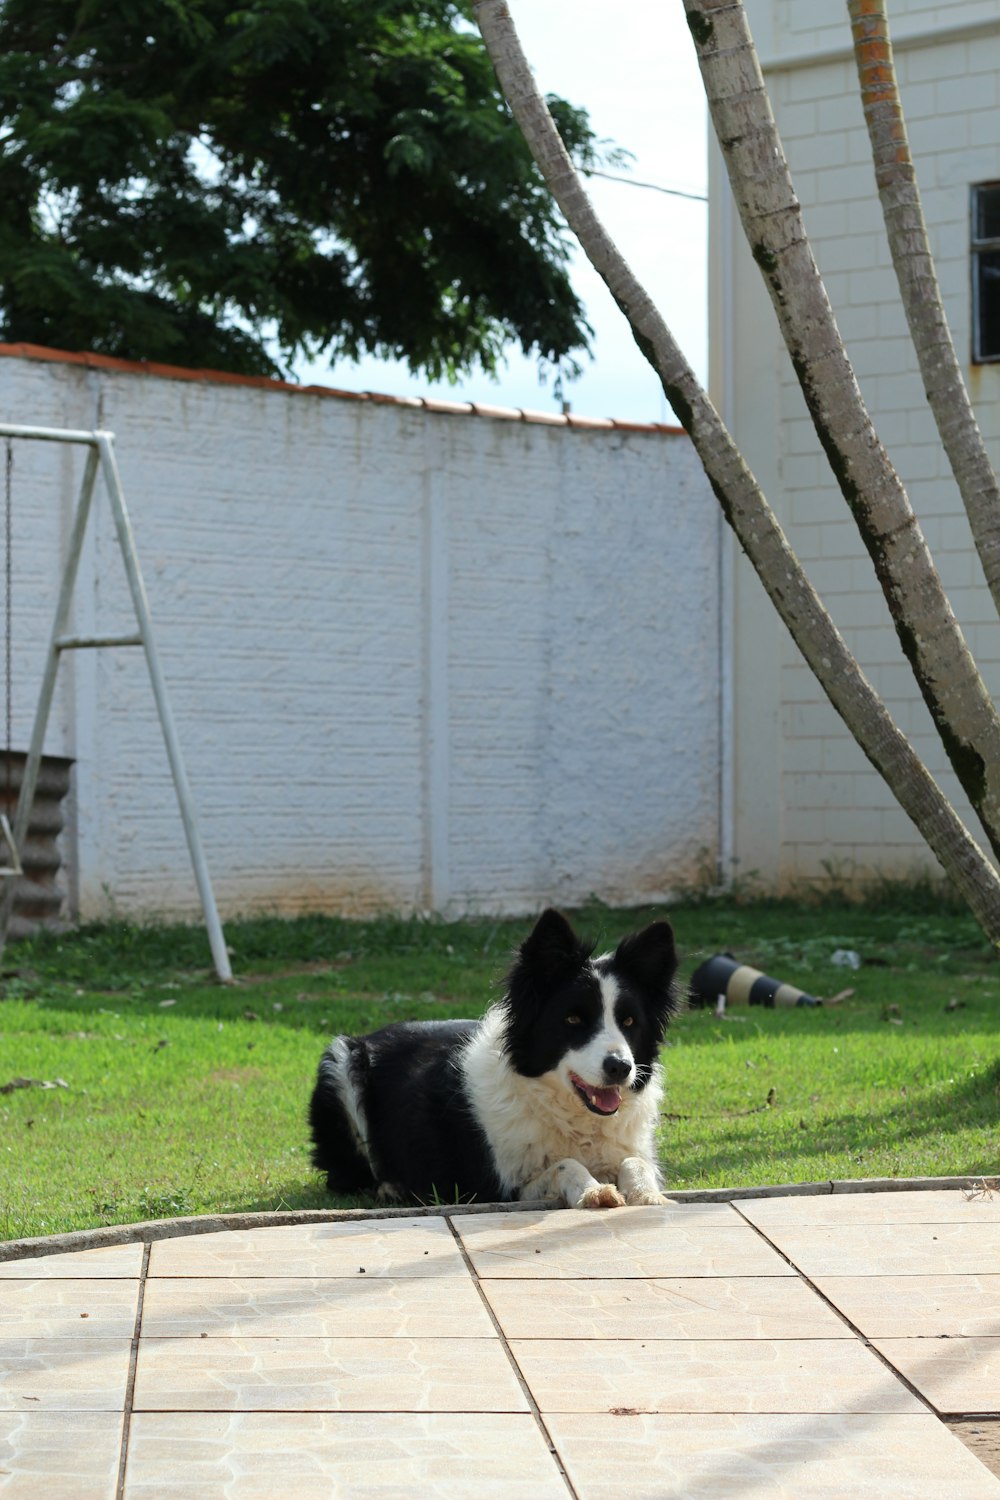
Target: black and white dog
(555, 1093)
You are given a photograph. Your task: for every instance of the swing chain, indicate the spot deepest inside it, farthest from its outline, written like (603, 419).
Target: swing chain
(8, 605)
(13, 863)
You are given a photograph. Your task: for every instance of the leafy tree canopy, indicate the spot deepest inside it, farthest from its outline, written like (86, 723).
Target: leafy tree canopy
(202, 182)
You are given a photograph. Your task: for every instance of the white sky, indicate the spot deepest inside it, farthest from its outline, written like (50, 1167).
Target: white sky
(632, 67)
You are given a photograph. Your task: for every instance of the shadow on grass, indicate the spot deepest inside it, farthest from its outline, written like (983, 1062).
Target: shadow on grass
(112, 955)
(972, 1104)
(108, 955)
(891, 1008)
(293, 1195)
(362, 998)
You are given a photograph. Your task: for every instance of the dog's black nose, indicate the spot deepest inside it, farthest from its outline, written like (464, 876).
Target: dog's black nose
(616, 1068)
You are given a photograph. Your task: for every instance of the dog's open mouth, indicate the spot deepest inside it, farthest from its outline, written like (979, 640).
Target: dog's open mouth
(598, 1101)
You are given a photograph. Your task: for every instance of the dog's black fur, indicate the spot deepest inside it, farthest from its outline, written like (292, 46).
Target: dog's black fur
(422, 1132)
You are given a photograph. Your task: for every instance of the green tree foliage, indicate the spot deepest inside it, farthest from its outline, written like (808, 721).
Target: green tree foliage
(206, 183)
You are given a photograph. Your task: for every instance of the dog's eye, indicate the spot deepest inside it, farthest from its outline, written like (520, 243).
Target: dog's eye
(574, 1020)
(628, 1021)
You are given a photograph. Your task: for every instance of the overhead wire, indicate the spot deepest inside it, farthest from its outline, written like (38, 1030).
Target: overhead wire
(654, 187)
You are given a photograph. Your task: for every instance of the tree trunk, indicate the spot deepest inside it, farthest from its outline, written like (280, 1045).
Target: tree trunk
(918, 285)
(962, 710)
(743, 504)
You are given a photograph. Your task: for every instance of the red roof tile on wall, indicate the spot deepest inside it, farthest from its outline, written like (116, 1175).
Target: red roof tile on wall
(263, 382)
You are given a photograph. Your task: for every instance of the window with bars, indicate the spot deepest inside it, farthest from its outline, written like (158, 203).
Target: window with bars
(986, 272)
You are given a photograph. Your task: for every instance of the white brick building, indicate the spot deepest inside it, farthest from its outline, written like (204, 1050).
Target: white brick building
(419, 656)
(803, 796)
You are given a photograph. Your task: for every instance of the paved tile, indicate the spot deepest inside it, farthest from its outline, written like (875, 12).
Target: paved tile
(46, 1455)
(767, 1457)
(711, 1375)
(380, 1456)
(109, 1260)
(90, 1309)
(379, 1247)
(890, 1249)
(618, 1242)
(314, 1307)
(917, 1306)
(955, 1375)
(63, 1374)
(316, 1374)
(947, 1206)
(748, 1307)
(673, 1351)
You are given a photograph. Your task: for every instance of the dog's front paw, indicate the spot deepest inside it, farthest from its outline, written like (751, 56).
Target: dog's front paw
(647, 1198)
(602, 1195)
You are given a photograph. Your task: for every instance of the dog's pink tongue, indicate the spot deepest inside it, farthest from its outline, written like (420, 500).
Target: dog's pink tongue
(607, 1100)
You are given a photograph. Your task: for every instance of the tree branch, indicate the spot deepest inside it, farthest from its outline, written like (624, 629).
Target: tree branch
(744, 505)
(930, 636)
(906, 230)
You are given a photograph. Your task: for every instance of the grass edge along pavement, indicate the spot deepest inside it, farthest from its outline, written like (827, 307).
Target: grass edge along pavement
(149, 1092)
(41, 1246)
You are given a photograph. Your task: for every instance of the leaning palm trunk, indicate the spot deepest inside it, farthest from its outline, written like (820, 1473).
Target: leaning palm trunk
(952, 688)
(918, 284)
(743, 504)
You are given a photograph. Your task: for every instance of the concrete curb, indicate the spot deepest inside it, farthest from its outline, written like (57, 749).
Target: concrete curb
(162, 1229)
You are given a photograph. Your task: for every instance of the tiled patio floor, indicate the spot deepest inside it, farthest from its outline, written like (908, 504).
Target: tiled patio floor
(772, 1347)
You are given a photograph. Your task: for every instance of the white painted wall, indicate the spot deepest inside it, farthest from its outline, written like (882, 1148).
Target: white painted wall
(804, 796)
(417, 660)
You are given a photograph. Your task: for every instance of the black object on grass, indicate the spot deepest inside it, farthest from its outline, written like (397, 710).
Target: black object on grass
(722, 980)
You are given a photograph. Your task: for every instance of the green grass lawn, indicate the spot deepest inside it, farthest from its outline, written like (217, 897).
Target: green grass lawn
(173, 1095)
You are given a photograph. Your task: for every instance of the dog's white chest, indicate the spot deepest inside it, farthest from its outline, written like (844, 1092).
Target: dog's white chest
(534, 1123)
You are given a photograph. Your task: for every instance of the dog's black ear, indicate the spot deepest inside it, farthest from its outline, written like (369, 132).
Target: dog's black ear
(649, 959)
(550, 957)
(552, 952)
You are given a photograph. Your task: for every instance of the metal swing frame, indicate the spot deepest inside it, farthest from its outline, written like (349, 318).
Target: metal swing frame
(8, 871)
(101, 457)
